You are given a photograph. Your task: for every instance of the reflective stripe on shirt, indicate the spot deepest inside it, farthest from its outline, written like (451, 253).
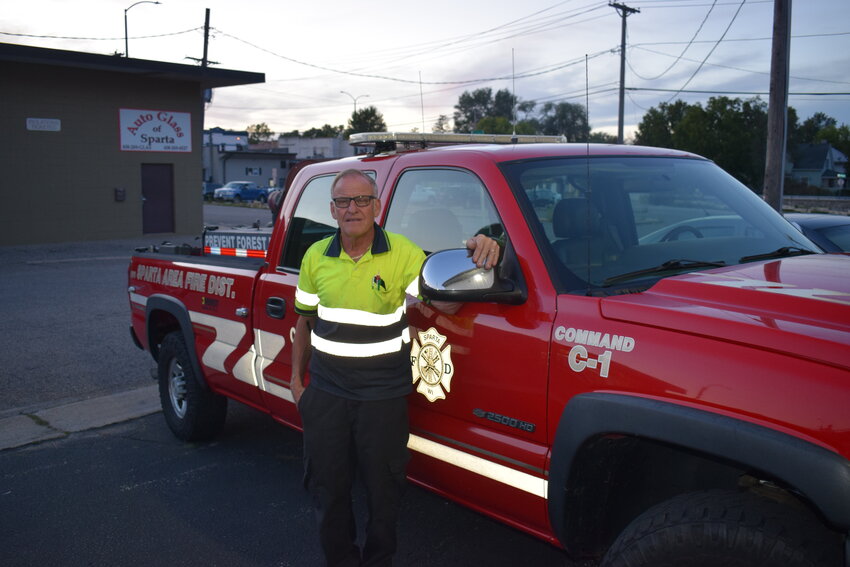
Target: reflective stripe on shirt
(360, 350)
(309, 299)
(359, 317)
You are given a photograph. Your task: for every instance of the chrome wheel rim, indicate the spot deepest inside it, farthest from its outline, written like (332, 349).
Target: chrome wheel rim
(177, 388)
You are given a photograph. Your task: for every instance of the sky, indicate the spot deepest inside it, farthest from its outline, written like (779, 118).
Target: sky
(413, 60)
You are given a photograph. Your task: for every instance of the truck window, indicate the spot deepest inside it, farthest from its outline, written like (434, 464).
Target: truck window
(440, 208)
(610, 224)
(311, 222)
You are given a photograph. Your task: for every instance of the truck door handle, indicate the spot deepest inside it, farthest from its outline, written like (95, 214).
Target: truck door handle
(276, 307)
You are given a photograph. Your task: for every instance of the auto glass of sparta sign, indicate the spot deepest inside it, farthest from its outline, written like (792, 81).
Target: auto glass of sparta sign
(155, 130)
(432, 365)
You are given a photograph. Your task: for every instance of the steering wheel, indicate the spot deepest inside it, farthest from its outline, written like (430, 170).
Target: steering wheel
(680, 230)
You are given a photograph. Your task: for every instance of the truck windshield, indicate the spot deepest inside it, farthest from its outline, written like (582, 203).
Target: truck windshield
(609, 225)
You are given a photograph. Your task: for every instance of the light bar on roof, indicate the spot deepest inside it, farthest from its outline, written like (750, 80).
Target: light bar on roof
(375, 138)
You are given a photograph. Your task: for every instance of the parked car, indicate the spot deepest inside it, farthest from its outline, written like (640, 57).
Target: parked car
(830, 232)
(542, 196)
(712, 226)
(208, 190)
(241, 191)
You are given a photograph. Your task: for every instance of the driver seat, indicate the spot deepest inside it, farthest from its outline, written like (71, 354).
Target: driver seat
(580, 230)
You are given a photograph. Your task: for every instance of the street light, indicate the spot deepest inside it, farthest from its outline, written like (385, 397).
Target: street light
(127, 9)
(354, 98)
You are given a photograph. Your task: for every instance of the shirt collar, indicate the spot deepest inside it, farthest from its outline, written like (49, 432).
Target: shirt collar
(380, 243)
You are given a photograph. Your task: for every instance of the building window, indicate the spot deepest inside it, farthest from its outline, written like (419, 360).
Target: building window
(253, 171)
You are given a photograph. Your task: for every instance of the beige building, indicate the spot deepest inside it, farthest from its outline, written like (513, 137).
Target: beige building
(101, 147)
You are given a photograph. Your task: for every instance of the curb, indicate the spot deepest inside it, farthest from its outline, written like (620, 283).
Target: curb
(60, 421)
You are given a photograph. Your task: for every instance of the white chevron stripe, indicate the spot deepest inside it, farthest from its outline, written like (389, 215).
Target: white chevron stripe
(227, 335)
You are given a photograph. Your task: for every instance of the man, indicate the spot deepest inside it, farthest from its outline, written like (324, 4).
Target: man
(275, 201)
(353, 331)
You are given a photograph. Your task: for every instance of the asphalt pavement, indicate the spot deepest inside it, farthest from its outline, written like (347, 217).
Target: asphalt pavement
(69, 364)
(91, 475)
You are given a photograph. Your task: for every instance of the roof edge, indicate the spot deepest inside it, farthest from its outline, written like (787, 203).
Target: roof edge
(205, 76)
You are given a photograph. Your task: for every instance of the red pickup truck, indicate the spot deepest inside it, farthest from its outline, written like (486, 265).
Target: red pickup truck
(657, 373)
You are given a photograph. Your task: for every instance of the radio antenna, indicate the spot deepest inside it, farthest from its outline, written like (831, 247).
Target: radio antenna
(586, 105)
(422, 102)
(587, 163)
(513, 89)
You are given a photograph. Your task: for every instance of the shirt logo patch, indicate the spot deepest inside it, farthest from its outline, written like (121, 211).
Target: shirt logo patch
(432, 367)
(378, 284)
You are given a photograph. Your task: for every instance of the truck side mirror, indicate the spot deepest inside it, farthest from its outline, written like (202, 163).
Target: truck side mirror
(450, 275)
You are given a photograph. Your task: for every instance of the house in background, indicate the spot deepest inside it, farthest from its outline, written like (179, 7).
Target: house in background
(101, 146)
(229, 157)
(819, 165)
(265, 167)
(219, 136)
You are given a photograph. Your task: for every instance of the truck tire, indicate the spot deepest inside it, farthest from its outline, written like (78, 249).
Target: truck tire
(728, 528)
(192, 413)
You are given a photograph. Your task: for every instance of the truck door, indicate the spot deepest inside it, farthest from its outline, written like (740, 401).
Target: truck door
(274, 299)
(478, 409)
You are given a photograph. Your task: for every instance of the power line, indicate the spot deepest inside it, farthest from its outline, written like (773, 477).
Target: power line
(732, 21)
(677, 91)
(682, 54)
(736, 39)
(551, 69)
(642, 2)
(436, 49)
(99, 38)
(751, 71)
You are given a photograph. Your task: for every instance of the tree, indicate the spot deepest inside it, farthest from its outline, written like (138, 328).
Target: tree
(259, 133)
(326, 131)
(441, 126)
(565, 119)
(838, 136)
(504, 105)
(527, 108)
(494, 125)
(599, 137)
(472, 107)
(740, 140)
(657, 126)
(529, 127)
(808, 131)
(365, 120)
(732, 132)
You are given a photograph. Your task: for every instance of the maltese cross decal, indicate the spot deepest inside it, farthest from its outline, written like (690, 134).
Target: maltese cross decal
(432, 365)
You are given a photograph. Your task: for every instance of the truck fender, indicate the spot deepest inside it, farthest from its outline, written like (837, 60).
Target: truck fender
(176, 309)
(821, 475)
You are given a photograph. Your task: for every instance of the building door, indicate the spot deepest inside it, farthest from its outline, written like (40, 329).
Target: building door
(157, 197)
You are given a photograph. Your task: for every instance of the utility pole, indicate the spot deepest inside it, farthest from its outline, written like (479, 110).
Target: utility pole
(624, 12)
(204, 61)
(777, 108)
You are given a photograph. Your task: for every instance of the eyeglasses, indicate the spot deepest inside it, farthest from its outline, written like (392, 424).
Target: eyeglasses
(359, 200)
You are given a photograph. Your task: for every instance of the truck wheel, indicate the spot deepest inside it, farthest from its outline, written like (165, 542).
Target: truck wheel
(729, 528)
(192, 413)
(237, 199)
